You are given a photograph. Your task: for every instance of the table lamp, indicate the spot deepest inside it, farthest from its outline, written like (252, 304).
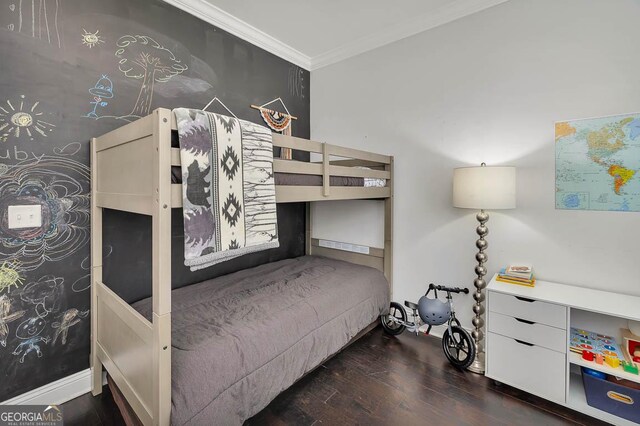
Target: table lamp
(480, 188)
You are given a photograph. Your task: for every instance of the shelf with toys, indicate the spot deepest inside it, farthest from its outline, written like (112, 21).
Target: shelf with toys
(593, 382)
(577, 359)
(603, 342)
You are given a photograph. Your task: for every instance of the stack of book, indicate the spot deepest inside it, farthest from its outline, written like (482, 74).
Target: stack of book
(517, 274)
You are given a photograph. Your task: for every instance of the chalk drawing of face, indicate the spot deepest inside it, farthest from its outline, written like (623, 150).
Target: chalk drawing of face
(20, 118)
(30, 328)
(103, 88)
(29, 332)
(91, 39)
(44, 294)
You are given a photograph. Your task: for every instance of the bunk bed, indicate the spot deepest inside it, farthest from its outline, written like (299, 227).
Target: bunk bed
(132, 171)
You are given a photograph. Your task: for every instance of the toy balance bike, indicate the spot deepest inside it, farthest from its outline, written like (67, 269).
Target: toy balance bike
(457, 343)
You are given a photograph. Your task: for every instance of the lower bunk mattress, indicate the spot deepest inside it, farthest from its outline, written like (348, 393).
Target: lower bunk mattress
(241, 339)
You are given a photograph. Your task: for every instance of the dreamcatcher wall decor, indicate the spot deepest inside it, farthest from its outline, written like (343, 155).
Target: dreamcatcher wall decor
(278, 122)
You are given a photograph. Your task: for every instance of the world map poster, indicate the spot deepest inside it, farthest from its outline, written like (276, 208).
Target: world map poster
(598, 163)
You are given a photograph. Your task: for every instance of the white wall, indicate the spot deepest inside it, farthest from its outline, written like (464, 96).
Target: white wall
(488, 88)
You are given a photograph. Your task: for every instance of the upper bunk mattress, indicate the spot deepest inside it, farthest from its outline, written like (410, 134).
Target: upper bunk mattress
(241, 339)
(299, 179)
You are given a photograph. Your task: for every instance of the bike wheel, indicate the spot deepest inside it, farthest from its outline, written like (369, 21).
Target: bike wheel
(458, 347)
(390, 326)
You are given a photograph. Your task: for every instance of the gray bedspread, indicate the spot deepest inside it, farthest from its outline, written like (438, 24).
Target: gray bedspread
(241, 339)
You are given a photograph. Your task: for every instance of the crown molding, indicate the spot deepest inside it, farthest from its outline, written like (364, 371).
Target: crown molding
(214, 15)
(453, 11)
(223, 20)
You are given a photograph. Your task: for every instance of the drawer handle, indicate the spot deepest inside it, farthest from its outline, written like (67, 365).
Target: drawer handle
(620, 397)
(524, 299)
(524, 343)
(524, 321)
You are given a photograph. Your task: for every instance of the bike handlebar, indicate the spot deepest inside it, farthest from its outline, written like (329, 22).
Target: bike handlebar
(448, 289)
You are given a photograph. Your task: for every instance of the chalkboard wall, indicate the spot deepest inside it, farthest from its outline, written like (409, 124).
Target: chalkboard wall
(74, 69)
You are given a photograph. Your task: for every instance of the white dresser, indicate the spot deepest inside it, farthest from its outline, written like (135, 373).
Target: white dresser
(528, 334)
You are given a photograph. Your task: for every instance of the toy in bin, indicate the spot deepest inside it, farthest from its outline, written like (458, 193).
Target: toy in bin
(615, 396)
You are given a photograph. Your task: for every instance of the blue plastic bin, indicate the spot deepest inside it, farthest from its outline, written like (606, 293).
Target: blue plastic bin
(611, 397)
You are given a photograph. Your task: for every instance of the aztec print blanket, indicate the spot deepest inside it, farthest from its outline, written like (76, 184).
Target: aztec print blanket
(228, 190)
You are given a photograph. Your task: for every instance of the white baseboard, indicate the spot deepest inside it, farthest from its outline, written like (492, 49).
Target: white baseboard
(57, 392)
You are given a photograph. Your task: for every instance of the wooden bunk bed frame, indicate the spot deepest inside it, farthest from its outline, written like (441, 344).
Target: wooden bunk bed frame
(131, 171)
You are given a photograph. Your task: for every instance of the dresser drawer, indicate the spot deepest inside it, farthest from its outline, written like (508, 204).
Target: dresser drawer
(528, 331)
(528, 309)
(533, 368)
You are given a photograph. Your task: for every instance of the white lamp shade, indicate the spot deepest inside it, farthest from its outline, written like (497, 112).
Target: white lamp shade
(491, 188)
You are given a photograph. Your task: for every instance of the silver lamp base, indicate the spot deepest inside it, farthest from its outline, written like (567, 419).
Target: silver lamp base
(480, 284)
(478, 364)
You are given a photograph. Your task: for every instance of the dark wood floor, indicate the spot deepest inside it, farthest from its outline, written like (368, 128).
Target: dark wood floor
(381, 380)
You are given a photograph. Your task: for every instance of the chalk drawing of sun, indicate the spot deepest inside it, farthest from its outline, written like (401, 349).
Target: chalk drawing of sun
(22, 118)
(91, 39)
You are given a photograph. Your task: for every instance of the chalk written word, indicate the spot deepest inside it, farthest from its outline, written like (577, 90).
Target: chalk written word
(18, 155)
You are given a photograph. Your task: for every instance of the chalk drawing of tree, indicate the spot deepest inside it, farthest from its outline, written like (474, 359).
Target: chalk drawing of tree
(143, 58)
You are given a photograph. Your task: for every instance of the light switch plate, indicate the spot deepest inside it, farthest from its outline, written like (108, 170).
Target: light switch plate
(25, 216)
